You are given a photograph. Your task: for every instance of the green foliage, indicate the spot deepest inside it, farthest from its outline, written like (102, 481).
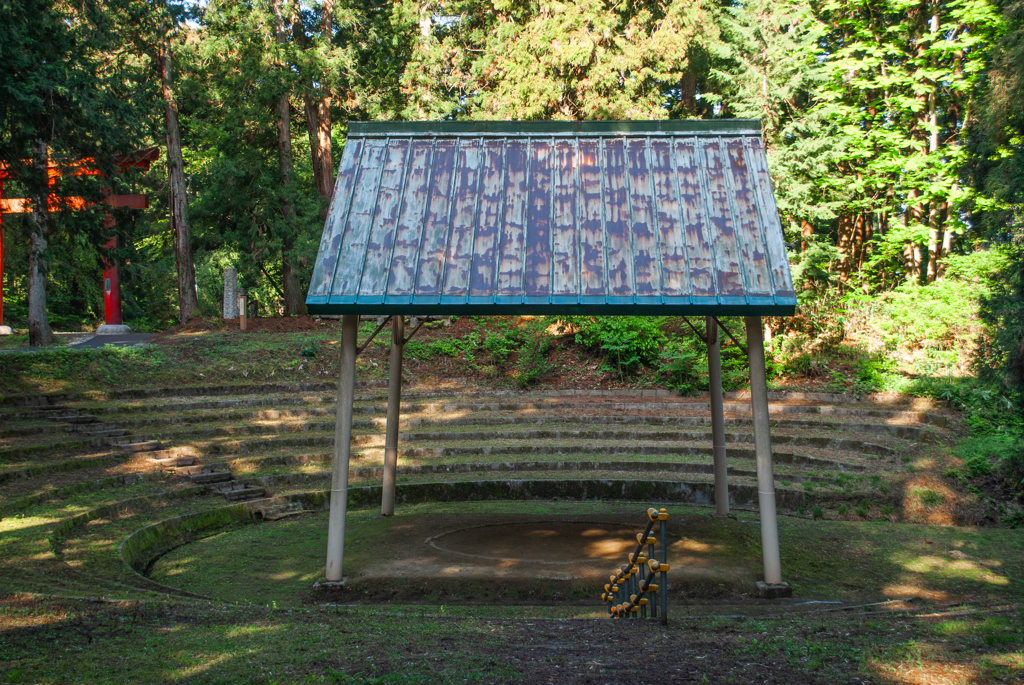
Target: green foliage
(986, 410)
(1011, 464)
(627, 342)
(943, 314)
(929, 498)
(518, 351)
(500, 346)
(532, 361)
(585, 60)
(981, 453)
(685, 366)
(462, 347)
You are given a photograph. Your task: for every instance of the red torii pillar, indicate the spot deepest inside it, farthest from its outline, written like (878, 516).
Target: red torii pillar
(4, 328)
(111, 273)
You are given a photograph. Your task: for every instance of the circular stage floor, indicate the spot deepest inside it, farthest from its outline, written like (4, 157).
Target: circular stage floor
(473, 557)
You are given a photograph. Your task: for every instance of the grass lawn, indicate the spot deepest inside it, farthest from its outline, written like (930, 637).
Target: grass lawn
(865, 561)
(58, 641)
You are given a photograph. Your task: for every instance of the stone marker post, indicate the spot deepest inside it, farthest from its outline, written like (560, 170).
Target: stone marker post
(230, 293)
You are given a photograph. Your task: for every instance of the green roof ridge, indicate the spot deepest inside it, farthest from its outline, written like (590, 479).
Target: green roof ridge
(726, 126)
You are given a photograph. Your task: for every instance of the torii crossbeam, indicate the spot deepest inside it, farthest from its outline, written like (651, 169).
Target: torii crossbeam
(85, 167)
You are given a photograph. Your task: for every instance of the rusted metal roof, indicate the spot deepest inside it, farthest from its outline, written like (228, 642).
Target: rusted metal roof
(653, 217)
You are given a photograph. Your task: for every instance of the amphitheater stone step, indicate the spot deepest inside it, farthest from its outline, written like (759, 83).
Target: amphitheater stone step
(78, 419)
(240, 492)
(139, 447)
(104, 433)
(175, 461)
(209, 477)
(280, 511)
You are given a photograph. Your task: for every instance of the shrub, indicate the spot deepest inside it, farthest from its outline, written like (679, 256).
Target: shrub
(887, 509)
(987, 453)
(979, 453)
(817, 513)
(1011, 464)
(501, 345)
(685, 367)
(445, 347)
(943, 314)
(532, 362)
(734, 368)
(457, 347)
(929, 498)
(628, 342)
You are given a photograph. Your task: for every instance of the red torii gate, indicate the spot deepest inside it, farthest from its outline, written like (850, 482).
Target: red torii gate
(140, 159)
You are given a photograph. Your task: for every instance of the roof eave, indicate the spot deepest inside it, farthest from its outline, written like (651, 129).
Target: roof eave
(777, 308)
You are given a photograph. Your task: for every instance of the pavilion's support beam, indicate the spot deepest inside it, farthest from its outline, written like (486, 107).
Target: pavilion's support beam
(342, 446)
(772, 585)
(387, 500)
(717, 416)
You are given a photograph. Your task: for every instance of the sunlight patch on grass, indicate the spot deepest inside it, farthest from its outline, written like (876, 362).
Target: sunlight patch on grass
(9, 525)
(959, 568)
(207, 662)
(903, 590)
(694, 546)
(252, 630)
(929, 672)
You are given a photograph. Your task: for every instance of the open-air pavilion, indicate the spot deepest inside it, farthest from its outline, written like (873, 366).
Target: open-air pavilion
(643, 218)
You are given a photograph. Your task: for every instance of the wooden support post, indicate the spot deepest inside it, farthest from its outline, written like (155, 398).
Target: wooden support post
(4, 330)
(773, 585)
(387, 499)
(243, 309)
(342, 445)
(717, 416)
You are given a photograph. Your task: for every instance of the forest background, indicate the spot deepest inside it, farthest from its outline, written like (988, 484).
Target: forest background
(894, 128)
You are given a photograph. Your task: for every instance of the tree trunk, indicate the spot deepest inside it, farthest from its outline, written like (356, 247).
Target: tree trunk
(806, 231)
(188, 301)
(908, 259)
(290, 281)
(863, 233)
(317, 105)
(39, 333)
(934, 225)
(915, 213)
(933, 241)
(947, 241)
(854, 232)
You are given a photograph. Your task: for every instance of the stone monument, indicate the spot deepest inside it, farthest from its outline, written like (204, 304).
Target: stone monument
(230, 293)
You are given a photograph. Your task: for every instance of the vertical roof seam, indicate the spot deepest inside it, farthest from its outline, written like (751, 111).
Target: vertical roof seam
(344, 218)
(398, 218)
